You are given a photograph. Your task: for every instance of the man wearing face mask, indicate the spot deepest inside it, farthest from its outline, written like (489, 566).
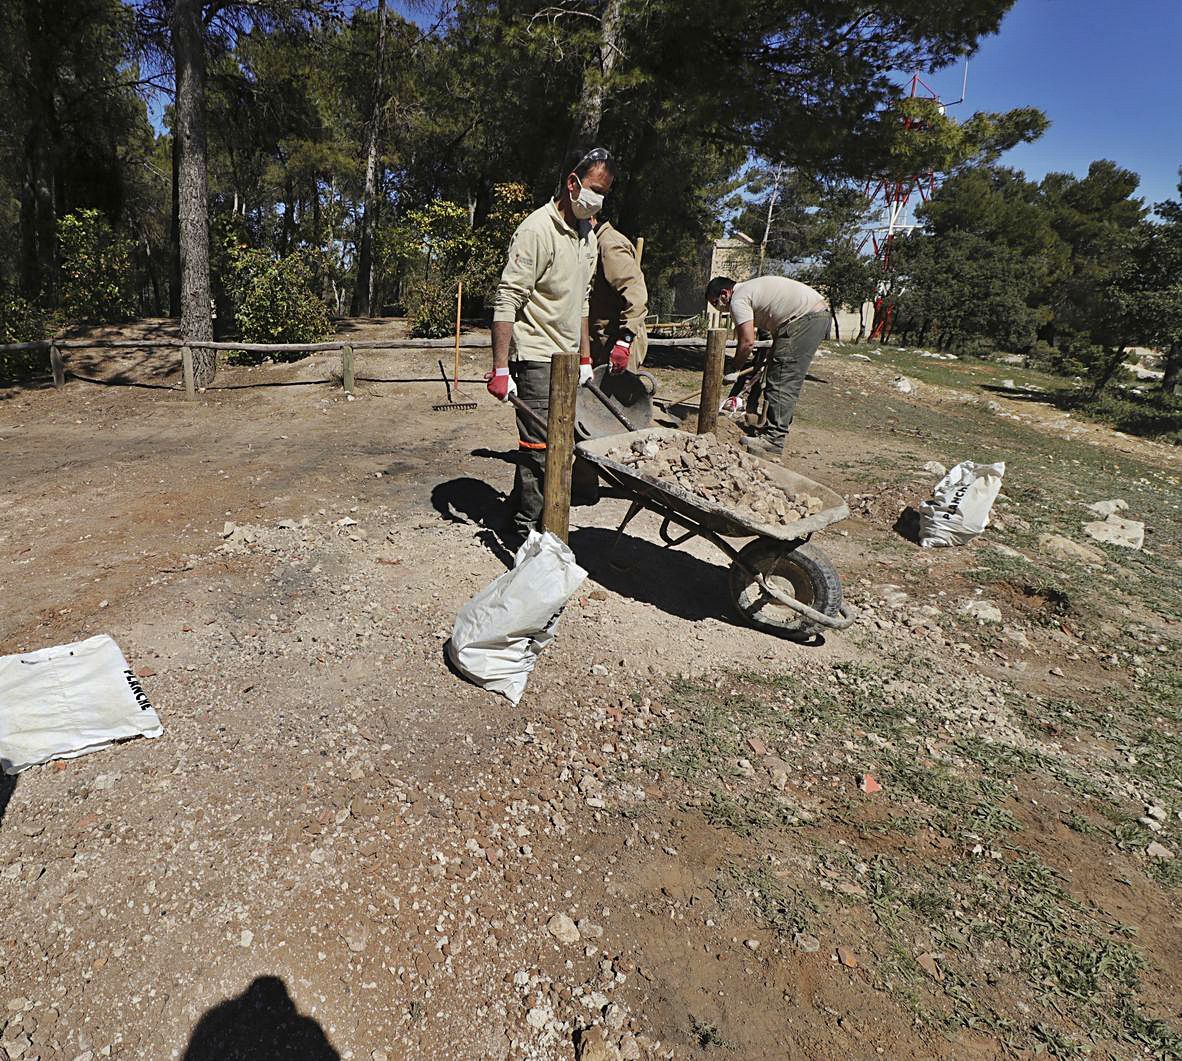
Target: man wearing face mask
(541, 309)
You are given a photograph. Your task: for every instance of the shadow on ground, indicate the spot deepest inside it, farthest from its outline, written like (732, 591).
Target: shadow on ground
(676, 582)
(7, 787)
(261, 1024)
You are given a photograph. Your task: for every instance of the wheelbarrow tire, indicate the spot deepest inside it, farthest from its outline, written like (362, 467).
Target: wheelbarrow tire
(805, 572)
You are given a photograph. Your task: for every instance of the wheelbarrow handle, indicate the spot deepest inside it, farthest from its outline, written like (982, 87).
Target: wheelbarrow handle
(613, 408)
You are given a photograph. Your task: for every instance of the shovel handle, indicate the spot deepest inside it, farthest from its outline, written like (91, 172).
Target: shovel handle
(529, 414)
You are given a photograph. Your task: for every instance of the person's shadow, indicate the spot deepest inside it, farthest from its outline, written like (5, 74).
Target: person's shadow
(474, 502)
(261, 1024)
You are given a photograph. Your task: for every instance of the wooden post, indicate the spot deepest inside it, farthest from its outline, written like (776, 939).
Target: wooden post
(187, 372)
(347, 368)
(639, 249)
(712, 380)
(57, 364)
(560, 444)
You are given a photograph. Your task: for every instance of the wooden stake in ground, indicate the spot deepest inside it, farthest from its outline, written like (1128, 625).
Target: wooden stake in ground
(712, 380)
(560, 444)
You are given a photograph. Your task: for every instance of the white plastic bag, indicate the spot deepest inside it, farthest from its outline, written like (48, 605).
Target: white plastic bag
(62, 702)
(959, 507)
(500, 632)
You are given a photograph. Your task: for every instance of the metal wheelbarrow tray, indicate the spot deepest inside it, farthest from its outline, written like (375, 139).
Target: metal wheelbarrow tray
(779, 581)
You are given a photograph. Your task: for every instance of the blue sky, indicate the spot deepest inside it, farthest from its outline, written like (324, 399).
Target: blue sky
(1107, 74)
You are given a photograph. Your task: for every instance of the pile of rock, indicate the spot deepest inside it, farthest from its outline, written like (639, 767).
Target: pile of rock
(720, 473)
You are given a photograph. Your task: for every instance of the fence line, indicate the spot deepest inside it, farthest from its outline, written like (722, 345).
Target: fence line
(346, 347)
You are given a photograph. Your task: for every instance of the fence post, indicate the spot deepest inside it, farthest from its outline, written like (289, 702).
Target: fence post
(712, 380)
(560, 444)
(347, 377)
(57, 364)
(187, 372)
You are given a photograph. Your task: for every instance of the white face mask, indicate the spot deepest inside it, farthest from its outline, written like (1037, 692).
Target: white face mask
(587, 204)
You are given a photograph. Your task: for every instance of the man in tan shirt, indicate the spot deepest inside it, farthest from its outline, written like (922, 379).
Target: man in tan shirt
(619, 302)
(797, 317)
(541, 308)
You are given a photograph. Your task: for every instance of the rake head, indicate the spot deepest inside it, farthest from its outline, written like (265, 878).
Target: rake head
(462, 405)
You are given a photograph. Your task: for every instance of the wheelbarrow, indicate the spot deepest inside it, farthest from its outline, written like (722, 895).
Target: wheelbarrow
(779, 581)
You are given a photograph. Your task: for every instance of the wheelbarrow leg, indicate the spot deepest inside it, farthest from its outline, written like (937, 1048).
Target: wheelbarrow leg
(633, 510)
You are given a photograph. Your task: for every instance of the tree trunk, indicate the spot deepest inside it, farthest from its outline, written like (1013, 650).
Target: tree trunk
(363, 290)
(1109, 370)
(1171, 380)
(836, 326)
(174, 232)
(595, 76)
(188, 45)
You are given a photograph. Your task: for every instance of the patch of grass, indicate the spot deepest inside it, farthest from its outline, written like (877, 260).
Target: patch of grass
(783, 908)
(707, 1036)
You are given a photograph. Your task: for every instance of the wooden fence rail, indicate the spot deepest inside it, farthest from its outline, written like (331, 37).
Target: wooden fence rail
(346, 346)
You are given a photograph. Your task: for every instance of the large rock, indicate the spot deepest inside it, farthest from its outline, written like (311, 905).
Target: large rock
(593, 1045)
(982, 610)
(1127, 533)
(1060, 548)
(1104, 509)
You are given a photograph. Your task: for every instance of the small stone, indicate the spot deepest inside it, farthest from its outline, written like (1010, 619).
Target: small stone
(1156, 850)
(935, 468)
(538, 1017)
(927, 962)
(246, 939)
(615, 1017)
(356, 937)
(751, 944)
(563, 929)
(1156, 812)
(593, 1045)
(629, 1048)
(847, 957)
(599, 670)
(597, 594)
(144, 672)
(903, 385)
(807, 943)
(316, 856)
(868, 784)
(982, 610)
(228, 529)
(1104, 509)
(589, 930)
(757, 746)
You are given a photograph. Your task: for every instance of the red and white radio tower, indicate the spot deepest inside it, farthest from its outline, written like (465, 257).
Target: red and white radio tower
(893, 194)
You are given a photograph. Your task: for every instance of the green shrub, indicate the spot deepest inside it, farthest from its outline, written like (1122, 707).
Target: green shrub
(96, 272)
(22, 322)
(273, 300)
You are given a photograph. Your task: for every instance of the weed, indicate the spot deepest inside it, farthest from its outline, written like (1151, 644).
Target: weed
(707, 1035)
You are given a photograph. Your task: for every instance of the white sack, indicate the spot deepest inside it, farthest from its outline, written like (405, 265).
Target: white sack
(500, 632)
(959, 507)
(62, 702)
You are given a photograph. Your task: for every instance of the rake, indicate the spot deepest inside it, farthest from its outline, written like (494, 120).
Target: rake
(456, 400)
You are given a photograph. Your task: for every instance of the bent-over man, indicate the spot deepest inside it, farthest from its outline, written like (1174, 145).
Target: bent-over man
(797, 317)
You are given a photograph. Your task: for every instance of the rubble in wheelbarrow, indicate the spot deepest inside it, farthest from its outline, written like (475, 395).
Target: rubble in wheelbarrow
(720, 473)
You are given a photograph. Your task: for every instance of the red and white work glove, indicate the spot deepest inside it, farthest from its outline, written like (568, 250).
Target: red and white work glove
(618, 359)
(585, 371)
(500, 384)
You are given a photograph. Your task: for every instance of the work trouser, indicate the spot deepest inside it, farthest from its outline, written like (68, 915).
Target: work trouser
(792, 353)
(533, 388)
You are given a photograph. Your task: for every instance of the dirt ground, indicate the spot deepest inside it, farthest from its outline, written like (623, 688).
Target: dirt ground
(339, 849)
